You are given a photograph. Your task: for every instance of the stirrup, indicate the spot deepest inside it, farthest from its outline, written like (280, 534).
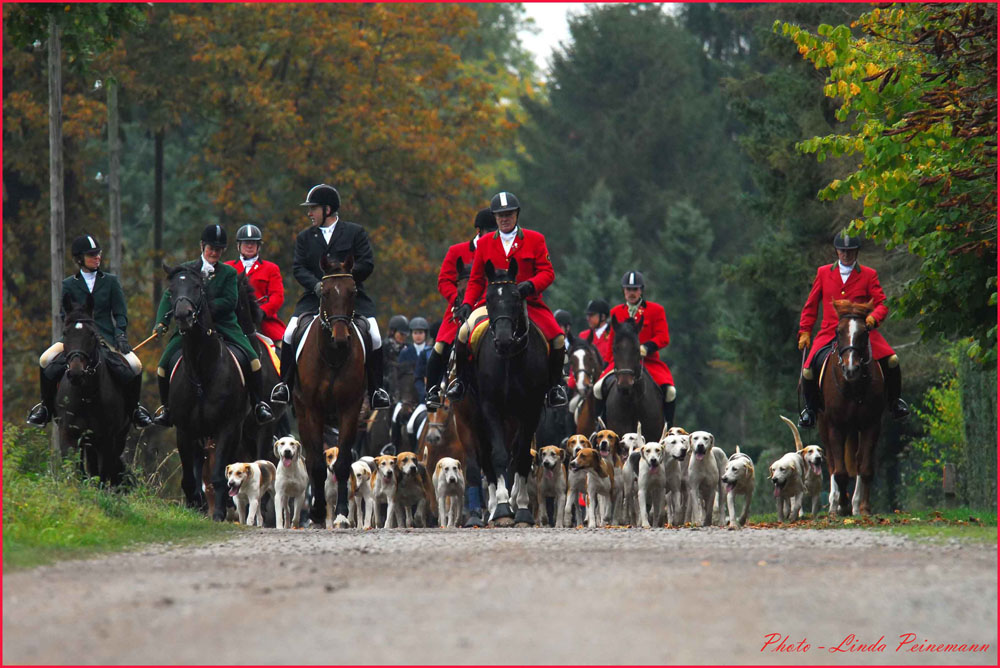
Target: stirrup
(39, 415)
(141, 417)
(262, 413)
(380, 399)
(433, 397)
(807, 418)
(456, 390)
(280, 394)
(162, 417)
(556, 396)
(899, 409)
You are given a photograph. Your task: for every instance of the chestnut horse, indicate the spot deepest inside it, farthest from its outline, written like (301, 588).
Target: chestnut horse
(585, 365)
(853, 401)
(331, 383)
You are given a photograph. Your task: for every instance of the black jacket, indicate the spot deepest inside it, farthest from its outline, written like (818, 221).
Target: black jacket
(348, 239)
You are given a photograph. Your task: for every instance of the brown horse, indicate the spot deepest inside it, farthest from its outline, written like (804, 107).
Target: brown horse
(585, 365)
(331, 382)
(853, 401)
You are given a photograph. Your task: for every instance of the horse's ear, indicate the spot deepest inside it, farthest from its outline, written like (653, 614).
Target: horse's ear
(68, 304)
(571, 338)
(326, 264)
(491, 272)
(88, 306)
(166, 267)
(349, 263)
(512, 269)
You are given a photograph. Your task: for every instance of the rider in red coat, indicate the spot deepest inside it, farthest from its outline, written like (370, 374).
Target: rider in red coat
(457, 265)
(653, 336)
(845, 279)
(534, 274)
(265, 279)
(599, 331)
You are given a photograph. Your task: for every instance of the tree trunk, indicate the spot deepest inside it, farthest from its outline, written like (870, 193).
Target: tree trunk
(57, 232)
(157, 218)
(114, 179)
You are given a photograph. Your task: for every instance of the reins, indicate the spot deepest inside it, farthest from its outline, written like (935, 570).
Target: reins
(326, 320)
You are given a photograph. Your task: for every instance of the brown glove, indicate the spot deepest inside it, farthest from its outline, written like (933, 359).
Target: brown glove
(804, 339)
(870, 322)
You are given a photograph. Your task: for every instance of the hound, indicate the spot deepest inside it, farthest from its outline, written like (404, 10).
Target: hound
(576, 480)
(248, 482)
(290, 482)
(677, 449)
(787, 476)
(449, 485)
(652, 484)
(738, 479)
(360, 491)
(626, 478)
(384, 489)
(704, 476)
(812, 456)
(600, 483)
(550, 482)
(413, 487)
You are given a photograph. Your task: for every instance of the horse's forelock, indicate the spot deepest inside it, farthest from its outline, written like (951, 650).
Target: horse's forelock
(847, 307)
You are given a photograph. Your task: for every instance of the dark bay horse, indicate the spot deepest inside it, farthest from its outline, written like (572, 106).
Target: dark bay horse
(509, 393)
(331, 385)
(585, 365)
(90, 406)
(208, 396)
(853, 401)
(632, 397)
(258, 439)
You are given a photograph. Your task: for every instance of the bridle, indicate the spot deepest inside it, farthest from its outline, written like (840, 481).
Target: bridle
(196, 306)
(520, 341)
(863, 353)
(326, 320)
(93, 358)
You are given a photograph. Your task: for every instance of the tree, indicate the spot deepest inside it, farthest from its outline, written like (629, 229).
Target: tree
(920, 87)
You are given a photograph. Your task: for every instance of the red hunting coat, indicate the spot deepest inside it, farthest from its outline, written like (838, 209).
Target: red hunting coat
(602, 343)
(265, 278)
(655, 331)
(533, 264)
(862, 285)
(448, 286)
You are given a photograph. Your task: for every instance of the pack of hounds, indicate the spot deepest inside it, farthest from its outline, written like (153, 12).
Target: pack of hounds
(599, 480)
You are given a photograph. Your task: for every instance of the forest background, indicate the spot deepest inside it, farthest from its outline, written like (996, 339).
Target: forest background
(717, 148)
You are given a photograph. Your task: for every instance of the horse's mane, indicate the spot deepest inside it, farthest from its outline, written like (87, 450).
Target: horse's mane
(847, 307)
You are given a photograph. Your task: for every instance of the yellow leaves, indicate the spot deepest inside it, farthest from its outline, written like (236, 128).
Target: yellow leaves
(803, 49)
(855, 89)
(871, 69)
(831, 58)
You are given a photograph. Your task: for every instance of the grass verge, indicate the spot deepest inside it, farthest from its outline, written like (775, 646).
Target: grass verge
(52, 517)
(930, 525)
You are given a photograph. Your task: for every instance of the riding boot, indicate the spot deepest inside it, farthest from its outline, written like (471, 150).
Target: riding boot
(261, 411)
(140, 416)
(462, 371)
(162, 417)
(810, 391)
(282, 392)
(42, 412)
(894, 385)
(556, 396)
(373, 367)
(435, 371)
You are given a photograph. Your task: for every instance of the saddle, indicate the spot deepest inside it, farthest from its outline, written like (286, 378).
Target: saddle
(480, 327)
(268, 345)
(307, 320)
(237, 354)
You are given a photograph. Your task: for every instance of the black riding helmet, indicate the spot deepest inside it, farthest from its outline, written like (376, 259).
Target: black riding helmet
(214, 235)
(503, 202)
(248, 233)
(83, 244)
(323, 195)
(399, 323)
(563, 317)
(633, 279)
(485, 221)
(419, 323)
(599, 307)
(844, 241)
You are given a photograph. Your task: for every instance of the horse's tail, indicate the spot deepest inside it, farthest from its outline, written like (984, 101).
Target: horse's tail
(795, 433)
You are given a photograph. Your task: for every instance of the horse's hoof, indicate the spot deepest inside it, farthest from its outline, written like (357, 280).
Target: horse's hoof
(524, 517)
(341, 523)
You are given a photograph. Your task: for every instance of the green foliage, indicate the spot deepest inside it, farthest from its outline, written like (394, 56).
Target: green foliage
(920, 91)
(48, 517)
(942, 442)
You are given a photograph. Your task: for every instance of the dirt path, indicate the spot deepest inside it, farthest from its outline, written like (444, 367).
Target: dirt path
(537, 596)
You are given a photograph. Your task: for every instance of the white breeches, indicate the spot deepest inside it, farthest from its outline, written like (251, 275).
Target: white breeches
(372, 326)
(57, 347)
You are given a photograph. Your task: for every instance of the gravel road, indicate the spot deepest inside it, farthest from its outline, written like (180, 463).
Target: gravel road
(500, 596)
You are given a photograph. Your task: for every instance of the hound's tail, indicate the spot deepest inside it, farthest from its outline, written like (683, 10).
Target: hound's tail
(795, 433)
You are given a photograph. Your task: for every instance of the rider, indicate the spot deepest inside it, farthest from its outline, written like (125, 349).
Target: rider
(845, 279)
(264, 277)
(340, 239)
(534, 269)
(565, 321)
(448, 279)
(399, 329)
(111, 319)
(221, 291)
(598, 332)
(417, 351)
(653, 336)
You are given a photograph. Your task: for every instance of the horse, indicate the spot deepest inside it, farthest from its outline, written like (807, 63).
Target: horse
(853, 392)
(331, 382)
(401, 378)
(632, 397)
(208, 396)
(90, 406)
(585, 364)
(509, 392)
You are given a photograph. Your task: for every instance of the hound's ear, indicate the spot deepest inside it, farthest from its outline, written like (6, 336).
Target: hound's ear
(512, 269)
(711, 440)
(349, 263)
(663, 434)
(491, 272)
(275, 448)
(600, 423)
(562, 454)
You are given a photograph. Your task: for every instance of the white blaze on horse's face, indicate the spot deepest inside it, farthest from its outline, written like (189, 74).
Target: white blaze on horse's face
(579, 370)
(851, 360)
